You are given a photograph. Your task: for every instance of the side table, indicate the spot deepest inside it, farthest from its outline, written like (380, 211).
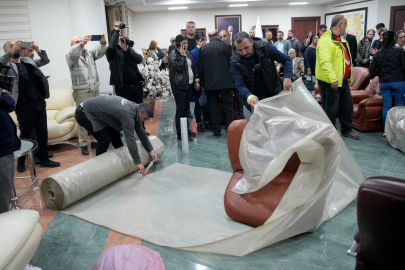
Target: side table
(27, 148)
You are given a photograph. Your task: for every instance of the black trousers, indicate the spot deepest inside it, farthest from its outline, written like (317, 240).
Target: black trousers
(227, 102)
(133, 93)
(182, 99)
(33, 115)
(338, 102)
(104, 137)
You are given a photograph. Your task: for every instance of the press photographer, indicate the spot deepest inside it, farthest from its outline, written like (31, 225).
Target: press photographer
(30, 89)
(123, 60)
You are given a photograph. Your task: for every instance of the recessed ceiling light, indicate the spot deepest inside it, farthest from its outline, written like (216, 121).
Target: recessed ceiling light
(177, 7)
(239, 5)
(298, 3)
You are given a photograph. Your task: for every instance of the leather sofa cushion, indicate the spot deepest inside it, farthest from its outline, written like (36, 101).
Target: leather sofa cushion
(56, 130)
(59, 99)
(255, 208)
(15, 229)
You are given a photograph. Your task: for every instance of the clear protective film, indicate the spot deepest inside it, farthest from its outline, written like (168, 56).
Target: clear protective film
(395, 127)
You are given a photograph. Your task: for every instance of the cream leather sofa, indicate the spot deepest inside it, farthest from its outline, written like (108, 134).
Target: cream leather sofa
(60, 109)
(20, 234)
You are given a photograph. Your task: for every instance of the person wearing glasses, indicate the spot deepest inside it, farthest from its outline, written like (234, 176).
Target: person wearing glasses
(389, 65)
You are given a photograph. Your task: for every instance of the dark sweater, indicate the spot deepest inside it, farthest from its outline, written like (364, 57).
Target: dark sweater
(9, 141)
(393, 69)
(310, 60)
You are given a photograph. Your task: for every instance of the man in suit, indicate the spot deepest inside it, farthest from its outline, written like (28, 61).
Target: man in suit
(29, 92)
(298, 65)
(105, 116)
(352, 46)
(216, 78)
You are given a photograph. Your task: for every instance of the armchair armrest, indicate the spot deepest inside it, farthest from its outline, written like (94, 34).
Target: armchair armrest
(371, 102)
(65, 113)
(359, 95)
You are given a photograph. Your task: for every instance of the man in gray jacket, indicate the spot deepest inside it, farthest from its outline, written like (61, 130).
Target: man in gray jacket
(85, 80)
(282, 45)
(105, 116)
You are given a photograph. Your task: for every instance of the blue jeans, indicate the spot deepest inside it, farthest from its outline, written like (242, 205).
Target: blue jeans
(387, 89)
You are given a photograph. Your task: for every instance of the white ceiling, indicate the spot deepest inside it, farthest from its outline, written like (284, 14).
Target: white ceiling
(156, 5)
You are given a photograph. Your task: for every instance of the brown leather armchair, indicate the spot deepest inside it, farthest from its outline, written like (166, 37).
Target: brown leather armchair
(381, 221)
(367, 111)
(254, 208)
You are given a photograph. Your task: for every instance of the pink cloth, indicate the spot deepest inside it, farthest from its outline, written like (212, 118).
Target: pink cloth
(373, 89)
(129, 257)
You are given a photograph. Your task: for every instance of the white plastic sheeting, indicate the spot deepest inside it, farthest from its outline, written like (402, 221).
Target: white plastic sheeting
(182, 206)
(395, 127)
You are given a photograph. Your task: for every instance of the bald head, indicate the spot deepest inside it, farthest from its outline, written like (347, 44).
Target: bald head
(213, 34)
(338, 25)
(7, 46)
(75, 40)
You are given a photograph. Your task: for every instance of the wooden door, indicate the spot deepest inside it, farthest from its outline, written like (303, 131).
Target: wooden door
(397, 18)
(302, 25)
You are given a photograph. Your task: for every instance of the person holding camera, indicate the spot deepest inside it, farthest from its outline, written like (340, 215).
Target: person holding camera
(123, 60)
(30, 89)
(85, 79)
(9, 142)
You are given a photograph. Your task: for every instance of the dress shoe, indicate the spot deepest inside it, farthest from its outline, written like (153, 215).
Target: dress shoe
(191, 134)
(21, 165)
(200, 128)
(37, 160)
(94, 145)
(351, 135)
(179, 138)
(50, 155)
(50, 164)
(84, 150)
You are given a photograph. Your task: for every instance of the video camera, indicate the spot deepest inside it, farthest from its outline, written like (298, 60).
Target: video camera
(6, 81)
(127, 41)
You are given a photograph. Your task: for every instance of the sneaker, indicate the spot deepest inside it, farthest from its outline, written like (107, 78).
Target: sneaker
(50, 164)
(21, 165)
(191, 134)
(351, 135)
(84, 150)
(94, 145)
(200, 128)
(179, 138)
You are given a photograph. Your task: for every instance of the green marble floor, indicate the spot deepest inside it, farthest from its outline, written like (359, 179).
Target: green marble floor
(71, 243)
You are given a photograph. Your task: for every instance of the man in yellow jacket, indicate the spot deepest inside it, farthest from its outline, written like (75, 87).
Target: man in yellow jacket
(334, 72)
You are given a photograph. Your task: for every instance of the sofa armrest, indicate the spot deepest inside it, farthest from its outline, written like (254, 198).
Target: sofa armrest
(65, 113)
(359, 95)
(371, 102)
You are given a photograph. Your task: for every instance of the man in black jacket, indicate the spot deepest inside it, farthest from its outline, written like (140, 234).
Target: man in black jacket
(352, 46)
(9, 143)
(123, 60)
(29, 92)
(216, 78)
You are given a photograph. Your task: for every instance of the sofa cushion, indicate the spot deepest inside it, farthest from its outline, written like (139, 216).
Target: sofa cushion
(59, 99)
(56, 130)
(255, 208)
(66, 113)
(15, 228)
(51, 114)
(356, 110)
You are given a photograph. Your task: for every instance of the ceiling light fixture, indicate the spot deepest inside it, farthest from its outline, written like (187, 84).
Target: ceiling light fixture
(298, 3)
(177, 7)
(239, 5)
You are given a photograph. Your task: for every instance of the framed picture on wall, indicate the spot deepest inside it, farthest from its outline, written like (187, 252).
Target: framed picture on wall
(356, 21)
(232, 23)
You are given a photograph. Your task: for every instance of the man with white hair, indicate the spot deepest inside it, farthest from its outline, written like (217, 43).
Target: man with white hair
(334, 72)
(298, 65)
(85, 79)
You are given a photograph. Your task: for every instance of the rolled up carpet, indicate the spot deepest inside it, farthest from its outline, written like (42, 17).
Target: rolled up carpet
(68, 186)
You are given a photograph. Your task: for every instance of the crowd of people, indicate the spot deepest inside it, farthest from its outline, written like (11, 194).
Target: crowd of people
(228, 68)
